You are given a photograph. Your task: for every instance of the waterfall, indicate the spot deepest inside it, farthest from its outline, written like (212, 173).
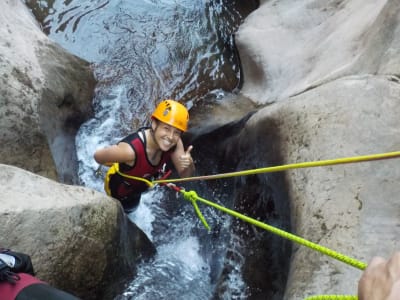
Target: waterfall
(143, 51)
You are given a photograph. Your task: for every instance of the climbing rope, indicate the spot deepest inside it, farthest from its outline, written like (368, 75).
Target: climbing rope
(330, 162)
(193, 198)
(148, 182)
(332, 297)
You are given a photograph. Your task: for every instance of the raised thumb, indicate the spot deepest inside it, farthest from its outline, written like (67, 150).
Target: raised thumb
(189, 149)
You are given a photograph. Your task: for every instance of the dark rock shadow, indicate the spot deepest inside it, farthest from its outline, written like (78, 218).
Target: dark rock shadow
(261, 259)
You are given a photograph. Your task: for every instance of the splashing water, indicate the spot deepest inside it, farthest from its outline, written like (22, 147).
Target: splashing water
(143, 51)
(179, 270)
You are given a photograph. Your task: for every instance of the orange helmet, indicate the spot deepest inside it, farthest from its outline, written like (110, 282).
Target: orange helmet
(172, 113)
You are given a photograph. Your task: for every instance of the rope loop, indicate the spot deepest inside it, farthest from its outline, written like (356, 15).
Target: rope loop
(193, 197)
(148, 182)
(190, 195)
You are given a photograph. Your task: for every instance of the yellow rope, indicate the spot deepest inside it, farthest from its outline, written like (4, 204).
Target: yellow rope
(148, 182)
(341, 257)
(332, 297)
(193, 197)
(320, 163)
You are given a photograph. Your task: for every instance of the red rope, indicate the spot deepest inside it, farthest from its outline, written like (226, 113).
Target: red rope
(170, 185)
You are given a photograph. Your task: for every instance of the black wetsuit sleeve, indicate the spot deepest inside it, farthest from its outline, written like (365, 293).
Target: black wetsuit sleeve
(42, 291)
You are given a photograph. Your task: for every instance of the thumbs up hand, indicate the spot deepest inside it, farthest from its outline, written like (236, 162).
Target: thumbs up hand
(186, 159)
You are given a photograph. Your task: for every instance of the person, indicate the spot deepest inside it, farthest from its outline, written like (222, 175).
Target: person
(18, 281)
(381, 279)
(144, 153)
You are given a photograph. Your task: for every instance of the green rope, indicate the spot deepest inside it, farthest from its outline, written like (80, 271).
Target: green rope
(332, 297)
(341, 257)
(193, 197)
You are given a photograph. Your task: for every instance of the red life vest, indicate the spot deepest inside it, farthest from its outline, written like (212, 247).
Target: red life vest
(10, 291)
(17, 281)
(29, 287)
(142, 167)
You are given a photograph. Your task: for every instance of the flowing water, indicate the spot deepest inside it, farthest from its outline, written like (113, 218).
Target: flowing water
(143, 51)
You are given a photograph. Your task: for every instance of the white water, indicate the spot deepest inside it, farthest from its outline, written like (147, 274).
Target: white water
(143, 51)
(178, 271)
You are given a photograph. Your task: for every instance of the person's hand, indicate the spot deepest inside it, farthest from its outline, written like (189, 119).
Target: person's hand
(186, 160)
(381, 279)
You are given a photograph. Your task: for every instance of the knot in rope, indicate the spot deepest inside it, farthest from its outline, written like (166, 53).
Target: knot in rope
(193, 197)
(190, 196)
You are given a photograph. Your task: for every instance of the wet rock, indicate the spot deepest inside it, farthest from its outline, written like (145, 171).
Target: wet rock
(45, 95)
(255, 262)
(346, 208)
(79, 240)
(332, 68)
(289, 47)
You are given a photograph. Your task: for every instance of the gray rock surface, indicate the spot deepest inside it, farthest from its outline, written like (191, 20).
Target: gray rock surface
(331, 67)
(351, 208)
(287, 47)
(327, 74)
(79, 240)
(45, 95)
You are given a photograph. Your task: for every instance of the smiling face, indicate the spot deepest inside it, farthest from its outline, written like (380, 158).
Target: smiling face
(165, 136)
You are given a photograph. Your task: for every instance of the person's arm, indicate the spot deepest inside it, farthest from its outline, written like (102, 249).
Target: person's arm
(122, 153)
(381, 279)
(183, 160)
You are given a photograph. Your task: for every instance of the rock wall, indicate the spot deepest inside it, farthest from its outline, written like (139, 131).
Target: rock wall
(352, 208)
(79, 240)
(45, 95)
(253, 255)
(288, 47)
(330, 68)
